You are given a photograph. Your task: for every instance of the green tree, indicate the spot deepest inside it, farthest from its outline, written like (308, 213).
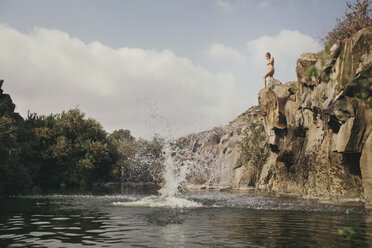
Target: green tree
(70, 149)
(253, 149)
(67, 148)
(14, 175)
(124, 145)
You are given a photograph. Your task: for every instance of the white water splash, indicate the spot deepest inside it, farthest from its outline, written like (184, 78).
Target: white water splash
(174, 175)
(160, 202)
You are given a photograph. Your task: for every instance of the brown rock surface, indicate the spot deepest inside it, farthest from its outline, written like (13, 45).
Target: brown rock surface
(216, 152)
(322, 134)
(318, 130)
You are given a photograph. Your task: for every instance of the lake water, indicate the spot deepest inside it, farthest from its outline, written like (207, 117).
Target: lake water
(214, 219)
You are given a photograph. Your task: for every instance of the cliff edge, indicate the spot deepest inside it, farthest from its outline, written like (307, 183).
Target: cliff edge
(319, 127)
(318, 130)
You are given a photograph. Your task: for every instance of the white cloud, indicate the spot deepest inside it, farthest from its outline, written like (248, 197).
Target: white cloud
(218, 51)
(146, 91)
(225, 5)
(264, 5)
(286, 48)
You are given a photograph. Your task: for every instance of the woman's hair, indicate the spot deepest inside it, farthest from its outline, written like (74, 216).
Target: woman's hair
(268, 54)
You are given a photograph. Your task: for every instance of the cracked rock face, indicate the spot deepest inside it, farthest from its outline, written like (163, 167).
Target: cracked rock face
(216, 151)
(318, 129)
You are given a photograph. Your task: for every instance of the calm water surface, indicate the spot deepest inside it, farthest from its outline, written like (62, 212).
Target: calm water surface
(221, 220)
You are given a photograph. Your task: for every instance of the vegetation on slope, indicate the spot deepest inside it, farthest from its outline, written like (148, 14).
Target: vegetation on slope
(253, 147)
(67, 148)
(357, 16)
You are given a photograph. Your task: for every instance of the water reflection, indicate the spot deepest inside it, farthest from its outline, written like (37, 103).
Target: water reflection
(166, 216)
(289, 229)
(86, 220)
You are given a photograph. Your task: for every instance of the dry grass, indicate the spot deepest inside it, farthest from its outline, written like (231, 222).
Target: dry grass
(357, 16)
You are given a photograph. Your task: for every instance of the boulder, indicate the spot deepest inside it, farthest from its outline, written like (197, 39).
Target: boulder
(303, 64)
(366, 156)
(318, 130)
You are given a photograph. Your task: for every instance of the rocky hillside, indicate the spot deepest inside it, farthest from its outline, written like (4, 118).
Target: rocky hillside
(7, 106)
(216, 151)
(318, 130)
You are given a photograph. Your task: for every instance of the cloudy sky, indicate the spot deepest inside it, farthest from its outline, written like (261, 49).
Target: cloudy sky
(169, 67)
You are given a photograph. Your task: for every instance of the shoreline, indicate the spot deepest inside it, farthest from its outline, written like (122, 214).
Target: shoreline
(352, 202)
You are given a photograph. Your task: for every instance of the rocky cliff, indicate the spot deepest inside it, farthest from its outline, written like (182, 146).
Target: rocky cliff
(318, 130)
(7, 106)
(216, 151)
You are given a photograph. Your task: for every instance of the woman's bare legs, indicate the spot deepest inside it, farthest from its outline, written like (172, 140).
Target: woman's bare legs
(270, 73)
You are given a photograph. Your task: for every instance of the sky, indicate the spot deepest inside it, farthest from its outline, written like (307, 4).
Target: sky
(167, 67)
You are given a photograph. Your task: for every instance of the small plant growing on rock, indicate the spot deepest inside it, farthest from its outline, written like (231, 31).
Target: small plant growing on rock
(253, 146)
(363, 87)
(311, 72)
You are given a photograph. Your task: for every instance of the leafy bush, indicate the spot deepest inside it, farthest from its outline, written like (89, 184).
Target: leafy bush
(357, 16)
(68, 148)
(253, 146)
(363, 87)
(124, 145)
(49, 150)
(14, 175)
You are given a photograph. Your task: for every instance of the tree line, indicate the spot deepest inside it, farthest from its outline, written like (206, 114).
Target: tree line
(46, 151)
